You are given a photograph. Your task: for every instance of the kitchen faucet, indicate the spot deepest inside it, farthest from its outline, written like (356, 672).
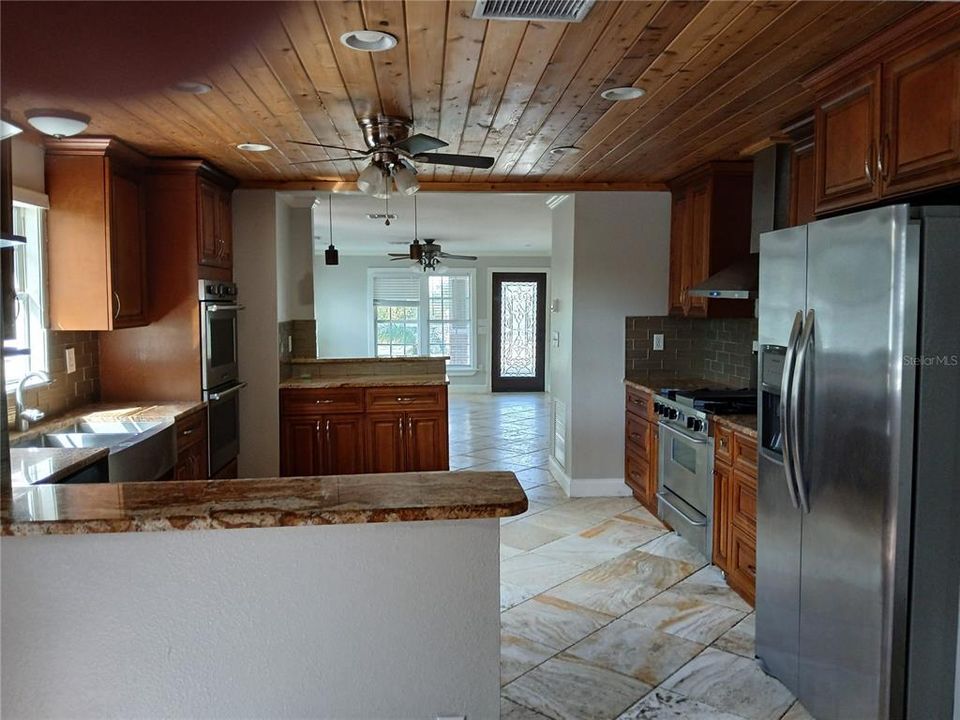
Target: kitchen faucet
(25, 415)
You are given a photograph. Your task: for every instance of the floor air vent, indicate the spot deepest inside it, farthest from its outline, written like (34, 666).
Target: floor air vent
(557, 10)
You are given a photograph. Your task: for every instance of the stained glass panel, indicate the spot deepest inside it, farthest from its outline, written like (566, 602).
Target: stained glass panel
(518, 329)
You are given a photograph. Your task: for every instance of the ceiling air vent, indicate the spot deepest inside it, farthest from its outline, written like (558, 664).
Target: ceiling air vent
(556, 10)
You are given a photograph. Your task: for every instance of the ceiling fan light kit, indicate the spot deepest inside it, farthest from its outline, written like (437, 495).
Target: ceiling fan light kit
(619, 94)
(393, 151)
(368, 40)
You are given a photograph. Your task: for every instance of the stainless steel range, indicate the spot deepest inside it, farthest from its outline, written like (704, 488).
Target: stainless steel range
(685, 482)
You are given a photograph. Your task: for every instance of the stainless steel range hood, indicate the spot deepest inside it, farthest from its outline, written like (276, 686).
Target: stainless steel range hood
(769, 211)
(739, 281)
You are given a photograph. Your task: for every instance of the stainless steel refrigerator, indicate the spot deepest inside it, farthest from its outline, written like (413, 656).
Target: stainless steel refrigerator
(858, 507)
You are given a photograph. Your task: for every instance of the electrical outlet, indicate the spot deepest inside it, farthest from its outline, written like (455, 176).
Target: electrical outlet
(71, 360)
(658, 341)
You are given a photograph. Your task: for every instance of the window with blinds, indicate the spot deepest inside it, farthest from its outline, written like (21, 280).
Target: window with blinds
(424, 314)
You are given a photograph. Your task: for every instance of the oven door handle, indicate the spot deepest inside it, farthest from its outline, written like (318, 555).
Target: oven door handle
(691, 438)
(217, 308)
(696, 523)
(227, 393)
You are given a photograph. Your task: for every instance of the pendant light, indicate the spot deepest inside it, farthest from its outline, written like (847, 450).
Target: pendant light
(330, 255)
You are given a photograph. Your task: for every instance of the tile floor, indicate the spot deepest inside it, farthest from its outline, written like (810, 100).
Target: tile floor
(604, 613)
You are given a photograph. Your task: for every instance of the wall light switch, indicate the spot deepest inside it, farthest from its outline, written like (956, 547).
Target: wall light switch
(71, 361)
(657, 341)
(555, 338)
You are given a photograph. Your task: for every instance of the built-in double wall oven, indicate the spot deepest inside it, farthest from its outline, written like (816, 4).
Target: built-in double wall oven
(219, 310)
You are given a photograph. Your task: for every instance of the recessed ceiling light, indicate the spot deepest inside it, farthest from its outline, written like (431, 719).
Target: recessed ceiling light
(58, 123)
(192, 87)
(623, 93)
(368, 40)
(565, 150)
(254, 147)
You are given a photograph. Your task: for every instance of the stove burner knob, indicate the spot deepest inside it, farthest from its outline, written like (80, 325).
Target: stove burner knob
(698, 425)
(691, 423)
(672, 413)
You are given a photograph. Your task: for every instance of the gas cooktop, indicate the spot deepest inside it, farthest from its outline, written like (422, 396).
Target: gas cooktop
(718, 402)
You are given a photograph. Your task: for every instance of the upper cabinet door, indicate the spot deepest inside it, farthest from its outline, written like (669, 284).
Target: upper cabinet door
(696, 251)
(847, 144)
(128, 247)
(225, 228)
(208, 241)
(920, 147)
(679, 224)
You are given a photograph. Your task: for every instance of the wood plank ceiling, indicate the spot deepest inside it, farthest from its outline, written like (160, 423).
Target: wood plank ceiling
(718, 76)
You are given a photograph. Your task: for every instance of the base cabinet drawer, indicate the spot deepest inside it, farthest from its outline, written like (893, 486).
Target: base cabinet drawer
(743, 501)
(637, 434)
(637, 477)
(192, 463)
(406, 398)
(321, 401)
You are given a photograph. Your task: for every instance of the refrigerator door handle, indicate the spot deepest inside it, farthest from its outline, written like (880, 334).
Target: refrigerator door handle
(784, 407)
(797, 381)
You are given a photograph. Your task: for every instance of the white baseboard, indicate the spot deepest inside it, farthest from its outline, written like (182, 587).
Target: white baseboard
(467, 389)
(588, 487)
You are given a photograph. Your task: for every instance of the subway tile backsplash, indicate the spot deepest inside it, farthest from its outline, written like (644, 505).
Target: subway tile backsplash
(68, 391)
(718, 350)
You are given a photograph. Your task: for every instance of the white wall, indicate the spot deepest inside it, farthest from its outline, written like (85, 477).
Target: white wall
(26, 165)
(389, 620)
(294, 263)
(343, 315)
(255, 256)
(620, 267)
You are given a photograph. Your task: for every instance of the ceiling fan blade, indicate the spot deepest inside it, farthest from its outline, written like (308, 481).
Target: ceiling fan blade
(475, 161)
(398, 256)
(419, 143)
(322, 160)
(334, 147)
(458, 257)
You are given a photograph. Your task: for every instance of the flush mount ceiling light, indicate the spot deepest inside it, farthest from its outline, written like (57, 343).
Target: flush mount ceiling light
(254, 147)
(368, 40)
(192, 87)
(58, 123)
(618, 94)
(565, 150)
(8, 129)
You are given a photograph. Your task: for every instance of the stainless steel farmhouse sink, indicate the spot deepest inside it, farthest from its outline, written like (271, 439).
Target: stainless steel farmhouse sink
(138, 451)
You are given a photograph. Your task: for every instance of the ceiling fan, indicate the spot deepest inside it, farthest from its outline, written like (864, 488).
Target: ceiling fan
(428, 254)
(393, 152)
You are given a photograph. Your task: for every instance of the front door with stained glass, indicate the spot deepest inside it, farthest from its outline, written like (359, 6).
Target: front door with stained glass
(519, 323)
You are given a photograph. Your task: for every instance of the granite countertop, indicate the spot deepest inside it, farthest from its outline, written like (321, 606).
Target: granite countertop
(29, 466)
(364, 381)
(266, 502)
(48, 465)
(743, 424)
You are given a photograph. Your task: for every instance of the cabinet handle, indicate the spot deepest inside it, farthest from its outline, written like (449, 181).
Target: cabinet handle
(116, 299)
(323, 402)
(723, 442)
(635, 436)
(882, 156)
(405, 399)
(187, 432)
(868, 164)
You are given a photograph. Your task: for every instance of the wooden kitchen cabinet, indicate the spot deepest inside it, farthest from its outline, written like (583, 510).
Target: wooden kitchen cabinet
(96, 229)
(803, 184)
(191, 434)
(735, 508)
(888, 114)
(355, 430)
(710, 229)
(215, 236)
(640, 454)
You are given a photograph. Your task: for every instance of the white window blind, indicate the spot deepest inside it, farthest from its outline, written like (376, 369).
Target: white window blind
(390, 289)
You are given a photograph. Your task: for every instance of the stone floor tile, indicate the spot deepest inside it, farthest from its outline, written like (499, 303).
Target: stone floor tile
(624, 533)
(552, 622)
(587, 552)
(641, 652)
(518, 654)
(731, 683)
(665, 705)
(568, 688)
(740, 638)
(708, 585)
(527, 535)
(685, 617)
(509, 710)
(797, 712)
(673, 546)
(536, 572)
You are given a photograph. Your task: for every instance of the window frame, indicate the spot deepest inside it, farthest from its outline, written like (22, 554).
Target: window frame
(423, 319)
(33, 300)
